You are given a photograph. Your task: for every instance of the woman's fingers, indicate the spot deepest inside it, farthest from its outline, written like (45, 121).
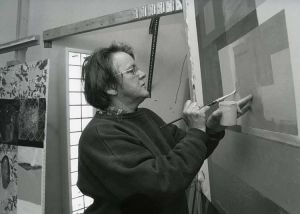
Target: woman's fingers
(244, 101)
(194, 115)
(244, 105)
(244, 109)
(213, 121)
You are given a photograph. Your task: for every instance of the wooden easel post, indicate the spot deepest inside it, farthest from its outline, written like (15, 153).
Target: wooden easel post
(195, 79)
(22, 42)
(22, 28)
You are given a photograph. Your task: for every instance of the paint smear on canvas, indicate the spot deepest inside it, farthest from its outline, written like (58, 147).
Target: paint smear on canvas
(259, 64)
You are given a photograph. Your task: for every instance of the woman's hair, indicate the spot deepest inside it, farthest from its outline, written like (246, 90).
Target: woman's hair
(98, 74)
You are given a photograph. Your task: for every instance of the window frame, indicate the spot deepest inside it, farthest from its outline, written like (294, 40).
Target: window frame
(68, 120)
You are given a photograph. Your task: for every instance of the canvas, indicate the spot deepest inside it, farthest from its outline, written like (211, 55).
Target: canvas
(254, 45)
(259, 64)
(249, 45)
(23, 107)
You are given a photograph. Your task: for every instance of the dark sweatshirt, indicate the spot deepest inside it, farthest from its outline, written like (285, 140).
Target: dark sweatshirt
(127, 164)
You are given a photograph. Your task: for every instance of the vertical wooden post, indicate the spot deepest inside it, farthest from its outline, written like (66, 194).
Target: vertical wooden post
(194, 59)
(22, 28)
(195, 77)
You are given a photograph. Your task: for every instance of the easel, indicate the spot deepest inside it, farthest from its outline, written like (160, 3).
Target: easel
(23, 41)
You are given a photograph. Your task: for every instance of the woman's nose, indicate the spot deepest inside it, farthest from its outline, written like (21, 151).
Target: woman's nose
(141, 74)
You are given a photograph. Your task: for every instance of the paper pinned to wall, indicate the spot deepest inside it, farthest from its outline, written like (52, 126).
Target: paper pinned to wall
(8, 178)
(23, 101)
(23, 91)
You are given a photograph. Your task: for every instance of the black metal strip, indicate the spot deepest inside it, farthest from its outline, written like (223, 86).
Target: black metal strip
(153, 29)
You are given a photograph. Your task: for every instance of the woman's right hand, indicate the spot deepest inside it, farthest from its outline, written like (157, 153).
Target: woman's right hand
(194, 115)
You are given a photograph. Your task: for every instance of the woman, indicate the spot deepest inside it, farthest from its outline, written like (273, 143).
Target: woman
(127, 163)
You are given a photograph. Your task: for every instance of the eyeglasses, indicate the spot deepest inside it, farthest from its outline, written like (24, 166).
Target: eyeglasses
(131, 71)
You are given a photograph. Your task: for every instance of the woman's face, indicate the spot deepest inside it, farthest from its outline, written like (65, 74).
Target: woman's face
(133, 87)
(5, 172)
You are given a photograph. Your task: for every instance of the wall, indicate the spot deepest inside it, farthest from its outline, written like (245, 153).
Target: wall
(8, 11)
(170, 56)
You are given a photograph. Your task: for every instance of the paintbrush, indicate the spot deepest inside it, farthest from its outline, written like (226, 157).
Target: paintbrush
(200, 107)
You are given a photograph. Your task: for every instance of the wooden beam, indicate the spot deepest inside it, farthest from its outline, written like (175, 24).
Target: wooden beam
(22, 20)
(19, 44)
(132, 15)
(22, 28)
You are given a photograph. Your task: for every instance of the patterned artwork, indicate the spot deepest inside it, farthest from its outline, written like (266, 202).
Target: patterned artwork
(23, 101)
(24, 81)
(9, 112)
(23, 121)
(23, 104)
(8, 179)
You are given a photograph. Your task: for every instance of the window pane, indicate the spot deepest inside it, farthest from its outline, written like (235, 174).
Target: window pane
(75, 111)
(75, 125)
(73, 152)
(87, 111)
(75, 192)
(83, 99)
(74, 165)
(74, 177)
(77, 203)
(85, 122)
(74, 58)
(74, 99)
(74, 71)
(74, 138)
(75, 85)
(88, 201)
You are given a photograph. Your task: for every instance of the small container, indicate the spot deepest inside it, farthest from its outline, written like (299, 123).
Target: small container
(229, 113)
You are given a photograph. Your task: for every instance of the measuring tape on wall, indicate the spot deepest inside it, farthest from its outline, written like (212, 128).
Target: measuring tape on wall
(153, 29)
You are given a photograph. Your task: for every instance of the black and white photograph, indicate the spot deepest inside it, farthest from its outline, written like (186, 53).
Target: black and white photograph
(150, 107)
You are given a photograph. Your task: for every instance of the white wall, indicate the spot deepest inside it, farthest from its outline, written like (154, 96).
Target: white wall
(171, 51)
(8, 21)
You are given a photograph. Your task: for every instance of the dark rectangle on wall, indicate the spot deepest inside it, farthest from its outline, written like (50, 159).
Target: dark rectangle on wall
(9, 114)
(238, 30)
(23, 122)
(210, 44)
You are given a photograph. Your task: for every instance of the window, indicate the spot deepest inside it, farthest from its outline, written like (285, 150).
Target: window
(79, 114)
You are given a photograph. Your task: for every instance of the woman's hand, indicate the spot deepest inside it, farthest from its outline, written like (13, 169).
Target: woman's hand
(213, 121)
(194, 116)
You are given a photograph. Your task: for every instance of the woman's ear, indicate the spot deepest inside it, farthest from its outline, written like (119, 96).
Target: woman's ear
(112, 92)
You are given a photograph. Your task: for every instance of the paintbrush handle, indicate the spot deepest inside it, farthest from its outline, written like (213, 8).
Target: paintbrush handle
(209, 104)
(181, 118)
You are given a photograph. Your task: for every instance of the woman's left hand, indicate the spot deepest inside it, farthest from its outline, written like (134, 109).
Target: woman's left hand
(213, 121)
